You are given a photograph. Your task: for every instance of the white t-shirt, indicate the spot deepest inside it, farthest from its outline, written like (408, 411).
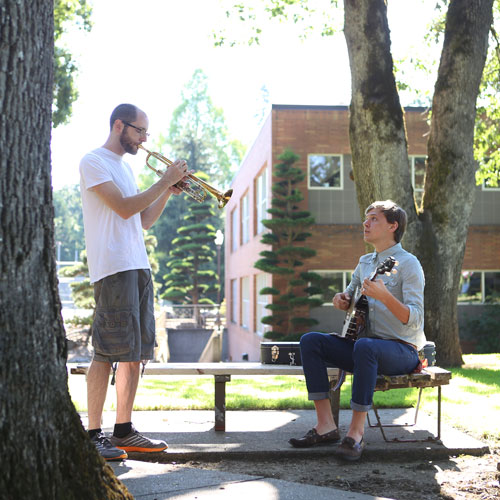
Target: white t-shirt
(113, 243)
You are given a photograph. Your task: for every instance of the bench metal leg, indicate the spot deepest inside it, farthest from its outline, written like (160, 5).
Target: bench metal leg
(438, 437)
(381, 426)
(220, 401)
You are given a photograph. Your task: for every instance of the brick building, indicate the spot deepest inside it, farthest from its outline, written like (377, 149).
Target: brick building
(320, 135)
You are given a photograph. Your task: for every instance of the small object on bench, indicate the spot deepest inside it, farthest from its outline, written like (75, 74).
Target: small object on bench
(428, 352)
(280, 353)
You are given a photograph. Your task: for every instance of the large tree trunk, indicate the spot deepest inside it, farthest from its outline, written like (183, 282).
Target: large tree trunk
(45, 451)
(379, 149)
(450, 179)
(376, 128)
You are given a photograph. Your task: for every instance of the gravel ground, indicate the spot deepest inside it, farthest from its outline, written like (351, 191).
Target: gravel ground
(463, 477)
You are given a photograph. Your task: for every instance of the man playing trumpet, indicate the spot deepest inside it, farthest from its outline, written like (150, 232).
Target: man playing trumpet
(123, 332)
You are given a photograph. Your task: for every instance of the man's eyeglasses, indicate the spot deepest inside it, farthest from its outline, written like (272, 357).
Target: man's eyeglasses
(141, 131)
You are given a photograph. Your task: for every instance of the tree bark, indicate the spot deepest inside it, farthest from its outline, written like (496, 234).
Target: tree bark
(450, 173)
(46, 454)
(438, 234)
(376, 128)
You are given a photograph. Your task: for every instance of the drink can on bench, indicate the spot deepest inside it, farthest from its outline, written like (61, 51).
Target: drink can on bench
(428, 352)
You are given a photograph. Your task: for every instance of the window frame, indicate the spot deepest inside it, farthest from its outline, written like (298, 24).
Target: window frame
(325, 188)
(260, 200)
(419, 190)
(486, 188)
(482, 287)
(261, 301)
(234, 301)
(345, 280)
(489, 189)
(245, 302)
(245, 219)
(234, 227)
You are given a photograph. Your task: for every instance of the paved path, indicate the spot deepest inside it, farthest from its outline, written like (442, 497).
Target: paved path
(262, 434)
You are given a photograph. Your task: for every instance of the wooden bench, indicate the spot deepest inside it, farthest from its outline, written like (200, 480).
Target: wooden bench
(222, 372)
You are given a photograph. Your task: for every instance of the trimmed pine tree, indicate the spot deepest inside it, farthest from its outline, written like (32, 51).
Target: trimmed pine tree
(189, 279)
(294, 289)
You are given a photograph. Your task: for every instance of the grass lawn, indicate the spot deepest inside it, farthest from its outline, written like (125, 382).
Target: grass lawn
(471, 402)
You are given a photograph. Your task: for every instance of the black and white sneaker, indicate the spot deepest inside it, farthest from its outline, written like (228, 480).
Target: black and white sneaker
(137, 442)
(106, 449)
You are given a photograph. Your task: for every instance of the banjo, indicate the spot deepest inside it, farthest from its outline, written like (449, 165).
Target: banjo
(356, 319)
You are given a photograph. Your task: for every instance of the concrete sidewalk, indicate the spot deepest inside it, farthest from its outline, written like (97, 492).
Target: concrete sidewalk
(263, 435)
(150, 481)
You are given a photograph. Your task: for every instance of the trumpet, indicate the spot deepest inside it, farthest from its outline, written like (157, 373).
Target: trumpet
(197, 188)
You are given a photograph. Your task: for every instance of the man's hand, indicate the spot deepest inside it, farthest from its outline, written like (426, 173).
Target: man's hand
(176, 172)
(178, 187)
(175, 190)
(342, 301)
(375, 289)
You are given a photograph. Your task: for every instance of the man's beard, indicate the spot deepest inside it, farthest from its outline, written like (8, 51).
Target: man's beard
(127, 144)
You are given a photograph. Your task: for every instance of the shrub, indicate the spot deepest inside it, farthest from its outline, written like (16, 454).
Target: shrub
(485, 330)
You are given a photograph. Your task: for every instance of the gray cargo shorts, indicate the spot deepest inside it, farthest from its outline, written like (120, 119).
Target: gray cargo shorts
(124, 322)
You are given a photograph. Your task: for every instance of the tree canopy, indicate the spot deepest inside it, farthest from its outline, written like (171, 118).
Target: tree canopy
(190, 277)
(197, 133)
(67, 14)
(325, 17)
(68, 222)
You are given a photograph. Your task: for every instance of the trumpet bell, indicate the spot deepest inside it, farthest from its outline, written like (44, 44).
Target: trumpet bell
(225, 198)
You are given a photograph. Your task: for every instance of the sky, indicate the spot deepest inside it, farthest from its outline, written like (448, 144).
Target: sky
(146, 52)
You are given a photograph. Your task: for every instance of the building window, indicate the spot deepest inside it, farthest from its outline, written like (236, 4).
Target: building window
(245, 220)
(479, 287)
(492, 184)
(489, 186)
(261, 302)
(332, 282)
(234, 301)
(261, 201)
(417, 164)
(325, 171)
(234, 230)
(245, 302)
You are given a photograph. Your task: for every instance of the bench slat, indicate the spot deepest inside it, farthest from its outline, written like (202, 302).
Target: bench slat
(438, 374)
(386, 382)
(430, 377)
(213, 369)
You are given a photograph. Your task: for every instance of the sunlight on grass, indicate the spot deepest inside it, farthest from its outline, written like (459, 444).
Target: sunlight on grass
(471, 402)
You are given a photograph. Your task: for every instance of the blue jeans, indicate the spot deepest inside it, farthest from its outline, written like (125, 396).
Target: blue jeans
(365, 359)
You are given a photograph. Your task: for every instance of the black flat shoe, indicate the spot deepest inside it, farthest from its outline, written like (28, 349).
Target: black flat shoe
(350, 450)
(312, 438)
